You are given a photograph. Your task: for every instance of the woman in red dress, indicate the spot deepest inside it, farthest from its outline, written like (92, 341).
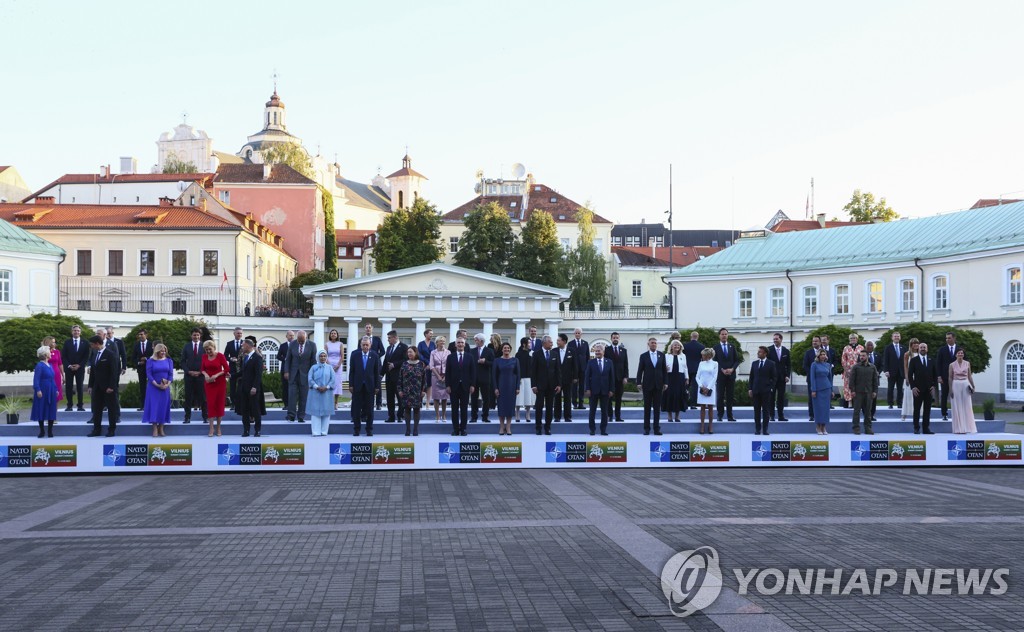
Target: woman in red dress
(215, 369)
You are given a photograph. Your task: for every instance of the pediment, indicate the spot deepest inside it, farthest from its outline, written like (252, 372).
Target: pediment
(434, 279)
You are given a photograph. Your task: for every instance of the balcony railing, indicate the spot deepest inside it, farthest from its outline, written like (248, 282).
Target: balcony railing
(616, 312)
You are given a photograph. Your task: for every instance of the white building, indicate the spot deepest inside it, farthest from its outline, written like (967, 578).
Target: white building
(29, 267)
(145, 189)
(12, 186)
(186, 144)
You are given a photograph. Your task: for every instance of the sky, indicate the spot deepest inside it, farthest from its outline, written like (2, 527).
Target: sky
(917, 102)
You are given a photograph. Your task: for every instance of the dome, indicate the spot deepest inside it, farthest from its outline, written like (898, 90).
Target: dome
(275, 101)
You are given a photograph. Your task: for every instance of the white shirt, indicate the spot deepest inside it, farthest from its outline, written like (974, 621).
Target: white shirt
(654, 358)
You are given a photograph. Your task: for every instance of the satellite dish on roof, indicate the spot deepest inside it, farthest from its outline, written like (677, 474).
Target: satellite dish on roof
(518, 171)
(182, 186)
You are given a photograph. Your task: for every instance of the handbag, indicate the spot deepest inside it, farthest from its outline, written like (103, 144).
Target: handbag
(705, 391)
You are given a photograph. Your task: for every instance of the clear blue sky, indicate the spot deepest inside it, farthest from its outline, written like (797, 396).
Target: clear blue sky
(915, 101)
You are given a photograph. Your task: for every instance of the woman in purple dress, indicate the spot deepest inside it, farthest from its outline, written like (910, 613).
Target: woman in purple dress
(159, 375)
(44, 393)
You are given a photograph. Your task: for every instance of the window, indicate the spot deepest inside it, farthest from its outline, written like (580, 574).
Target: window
(1014, 379)
(777, 302)
(225, 197)
(115, 263)
(147, 263)
(727, 243)
(179, 262)
(268, 349)
(810, 300)
(875, 303)
(638, 289)
(842, 293)
(248, 267)
(908, 296)
(513, 204)
(115, 306)
(616, 241)
(179, 306)
(1013, 294)
(552, 199)
(209, 308)
(401, 199)
(211, 262)
(714, 243)
(357, 251)
(146, 307)
(342, 251)
(5, 286)
(341, 273)
(940, 292)
(84, 262)
(633, 240)
(191, 200)
(745, 303)
(83, 305)
(453, 245)
(599, 244)
(566, 243)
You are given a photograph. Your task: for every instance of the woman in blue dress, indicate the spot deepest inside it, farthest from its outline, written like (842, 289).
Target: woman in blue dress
(320, 401)
(44, 391)
(821, 390)
(505, 381)
(159, 374)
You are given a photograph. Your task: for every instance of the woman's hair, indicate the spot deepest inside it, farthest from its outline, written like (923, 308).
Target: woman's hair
(496, 341)
(913, 341)
(334, 335)
(209, 344)
(159, 347)
(48, 341)
(525, 340)
(675, 344)
(439, 341)
(707, 353)
(42, 352)
(506, 344)
(821, 351)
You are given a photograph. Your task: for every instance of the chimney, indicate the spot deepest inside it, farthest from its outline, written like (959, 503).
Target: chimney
(129, 164)
(166, 201)
(103, 171)
(46, 199)
(821, 220)
(267, 169)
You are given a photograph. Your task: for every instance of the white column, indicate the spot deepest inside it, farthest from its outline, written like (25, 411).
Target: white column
(386, 324)
(453, 328)
(488, 327)
(421, 326)
(318, 330)
(553, 324)
(520, 330)
(353, 333)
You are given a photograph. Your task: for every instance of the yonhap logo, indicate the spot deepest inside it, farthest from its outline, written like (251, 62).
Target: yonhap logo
(691, 580)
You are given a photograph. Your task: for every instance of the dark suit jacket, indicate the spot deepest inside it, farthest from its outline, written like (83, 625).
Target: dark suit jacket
(460, 378)
(581, 351)
(762, 380)
(597, 381)
(360, 378)
(282, 355)
(545, 372)
(619, 360)
(945, 359)
(376, 346)
(728, 359)
(537, 344)
(396, 357)
(191, 361)
(250, 375)
(783, 366)
(566, 371)
(833, 358)
(230, 353)
(297, 366)
(893, 362)
(692, 350)
(483, 371)
(650, 376)
(138, 354)
(69, 356)
(876, 361)
(921, 377)
(121, 352)
(106, 370)
(809, 357)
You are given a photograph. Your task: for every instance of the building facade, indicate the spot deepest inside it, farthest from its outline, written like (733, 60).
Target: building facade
(29, 268)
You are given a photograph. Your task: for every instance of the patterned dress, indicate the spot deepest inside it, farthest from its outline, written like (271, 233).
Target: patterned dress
(850, 357)
(412, 379)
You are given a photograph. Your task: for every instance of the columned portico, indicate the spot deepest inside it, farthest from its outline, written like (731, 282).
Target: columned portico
(454, 324)
(318, 330)
(353, 332)
(488, 324)
(421, 326)
(520, 330)
(386, 324)
(553, 324)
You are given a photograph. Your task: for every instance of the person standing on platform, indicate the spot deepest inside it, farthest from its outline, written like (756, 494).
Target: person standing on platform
(525, 399)
(483, 357)
(44, 393)
(425, 347)
(336, 358)
(118, 344)
(599, 385)
(249, 388)
(192, 364)
(142, 351)
(819, 384)
(650, 377)
(536, 344)
(459, 333)
(301, 355)
(864, 388)
(907, 411)
(893, 367)
(363, 382)
(810, 357)
(215, 370)
(506, 383)
(851, 356)
(923, 377)
(833, 359)
(875, 360)
(676, 393)
(581, 351)
(460, 382)
(76, 356)
(947, 354)
(961, 382)
(728, 362)
(692, 350)
(707, 383)
(159, 376)
(783, 368)
(232, 353)
(104, 374)
(57, 364)
(376, 346)
(620, 357)
(394, 358)
(437, 386)
(762, 381)
(320, 402)
(412, 386)
(282, 358)
(565, 376)
(545, 386)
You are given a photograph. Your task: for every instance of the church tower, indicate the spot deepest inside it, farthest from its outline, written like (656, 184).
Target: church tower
(273, 114)
(406, 185)
(274, 131)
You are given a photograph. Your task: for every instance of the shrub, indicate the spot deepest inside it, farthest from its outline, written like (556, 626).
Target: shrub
(838, 338)
(173, 333)
(272, 384)
(131, 395)
(709, 338)
(975, 347)
(21, 337)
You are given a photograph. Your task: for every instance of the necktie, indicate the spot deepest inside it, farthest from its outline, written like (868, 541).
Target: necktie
(924, 361)
(76, 344)
(391, 350)
(301, 345)
(96, 360)
(952, 354)
(724, 352)
(195, 348)
(761, 365)
(364, 360)
(236, 347)
(600, 365)
(245, 360)
(142, 347)
(897, 351)
(546, 355)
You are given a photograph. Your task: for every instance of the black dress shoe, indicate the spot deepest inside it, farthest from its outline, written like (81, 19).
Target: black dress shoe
(187, 421)
(765, 433)
(389, 421)
(456, 433)
(647, 432)
(109, 434)
(81, 409)
(757, 432)
(538, 433)
(619, 419)
(593, 432)
(257, 435)
(568, 420)
(917, 431)
(68, 409)
(657, 432)
(809, 419)
(730, 419)
(547, 432)
(604, 434)
(463, 434)
(355, 433)
(94, 433)
(783, 419)
(245, 434)
(928, 432)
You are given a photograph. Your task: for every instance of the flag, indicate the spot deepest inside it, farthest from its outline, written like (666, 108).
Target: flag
(225, 282)
(807, 208)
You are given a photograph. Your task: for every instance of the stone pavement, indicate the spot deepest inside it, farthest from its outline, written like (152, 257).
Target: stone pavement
(494, 550)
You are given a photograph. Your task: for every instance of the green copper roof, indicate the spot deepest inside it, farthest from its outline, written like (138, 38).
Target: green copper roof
(15, 239)
(904, 240)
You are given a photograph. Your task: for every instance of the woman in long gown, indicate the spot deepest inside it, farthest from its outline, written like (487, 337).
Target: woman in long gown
(320, 401)
(412, 386)
(675, 378)
(57, 364)
(851, 355)
(159, 376)
(908, 395)
(961, 402)
(707, 380)
(526, 397)
(505, 382)
(438, 394)
(214, 368)
(335, 353)
(820, 381)
(44, 393)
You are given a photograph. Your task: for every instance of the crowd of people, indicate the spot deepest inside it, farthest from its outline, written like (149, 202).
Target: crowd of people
(468, 378)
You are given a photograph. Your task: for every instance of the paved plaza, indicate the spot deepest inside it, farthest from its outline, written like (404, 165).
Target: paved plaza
(495, 550)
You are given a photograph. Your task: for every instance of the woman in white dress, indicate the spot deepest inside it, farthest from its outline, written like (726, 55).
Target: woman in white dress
(707, 378)
(526, 397)
(335, 352)
(908, 394)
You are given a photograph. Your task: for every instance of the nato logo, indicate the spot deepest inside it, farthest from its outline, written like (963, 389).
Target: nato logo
(554, 452)
(114, 455)
(661, 452)
(341, 454)
(761, 451)
(860, 450)
(3, 456)
(448, 452)
(957, 451)
(227, 454)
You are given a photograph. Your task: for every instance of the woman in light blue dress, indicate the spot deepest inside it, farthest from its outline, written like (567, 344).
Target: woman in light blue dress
(44, 393)
(320, 402)
(821, 390)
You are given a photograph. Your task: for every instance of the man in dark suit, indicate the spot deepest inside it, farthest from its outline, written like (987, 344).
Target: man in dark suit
(545, 385)
(104, 374)
(301, 356)
(483, 357)
(598, 385)
(459, 333)
(282, 356)
(692, 351)
(142, 351)
(650, 377)
(119, 346)
(394, 356)
(233, 354)
(892, 366)
(376, 346)
(833, 359)
(581, 351)
(75, 356)
(922, 374)
(947, 356)
(460, 382)
(565, 369)
(363, 382)
(620, 361)
(248, 384)
(783, 368)
(809, 357)
(875, 360)
(191, 364)
(762, 381)
(536, 344)
(728, 361)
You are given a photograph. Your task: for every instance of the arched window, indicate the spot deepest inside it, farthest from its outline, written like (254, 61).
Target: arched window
(401, 199)
(268, 349)
(1013, 383)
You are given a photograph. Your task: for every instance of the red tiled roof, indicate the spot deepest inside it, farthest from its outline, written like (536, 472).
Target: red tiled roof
(796, 225)
(253, 173)
(345, 237)
(407, 171)
(986, 202)
(112, 217)
(206, 179)
(561, 210)
(658, 256)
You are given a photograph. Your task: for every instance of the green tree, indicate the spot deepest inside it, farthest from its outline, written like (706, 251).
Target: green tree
(20, 338)
(975, 347)
(173, 164)
(586, 267)
(862, 207)
(312, 277)
(487, 242)
(330, 238)
(291, 154)
(709, 338)
(173, 333)
(409, 237)
(537, 256)
(838, 337)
